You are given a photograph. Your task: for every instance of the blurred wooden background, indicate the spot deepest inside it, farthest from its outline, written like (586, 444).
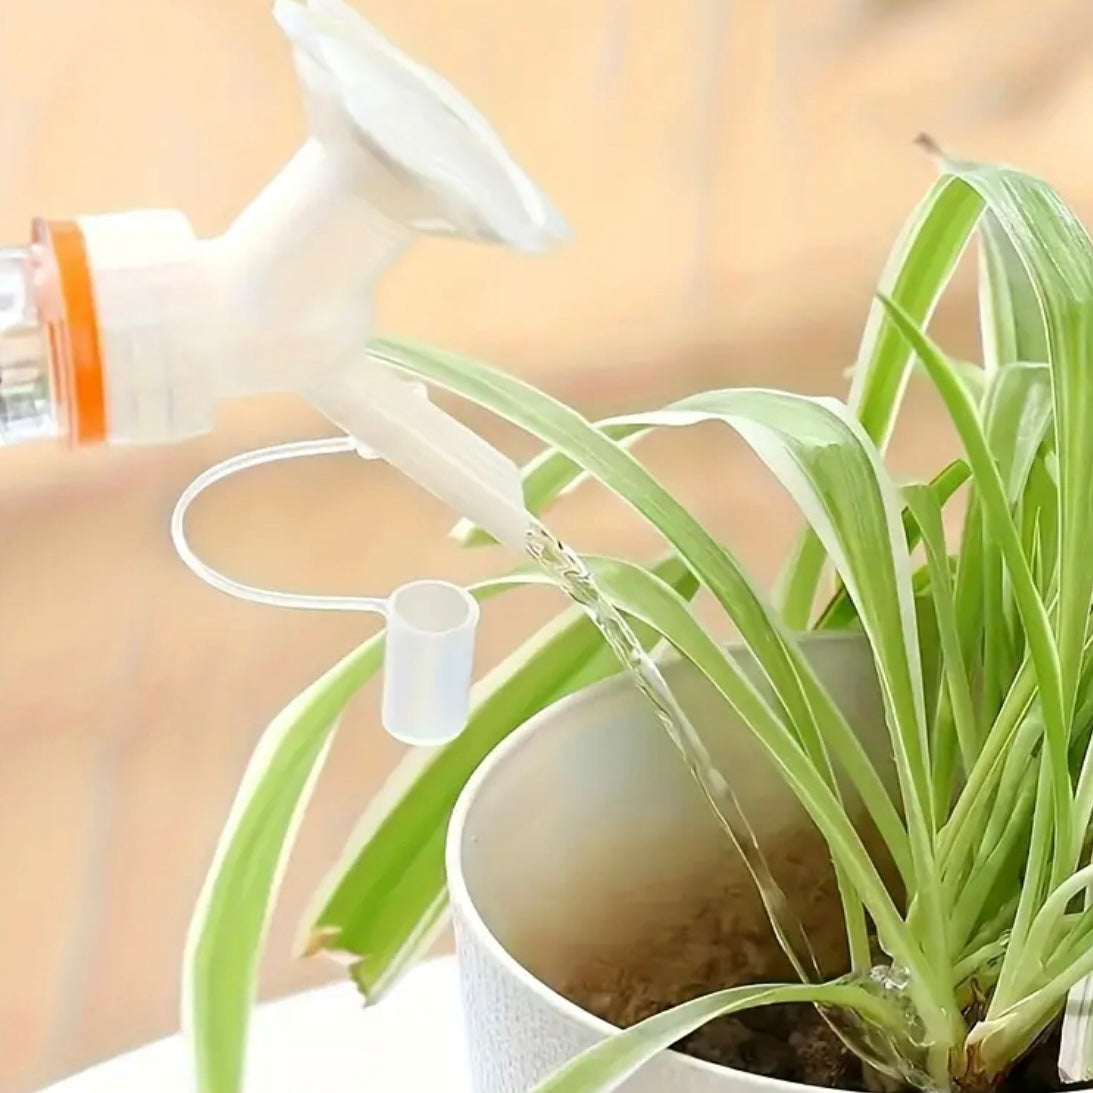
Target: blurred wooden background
(734, 170)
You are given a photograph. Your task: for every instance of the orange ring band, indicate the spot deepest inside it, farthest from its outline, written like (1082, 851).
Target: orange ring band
(73, 331)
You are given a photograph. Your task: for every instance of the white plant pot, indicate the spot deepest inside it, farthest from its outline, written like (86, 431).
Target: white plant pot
(580, 834)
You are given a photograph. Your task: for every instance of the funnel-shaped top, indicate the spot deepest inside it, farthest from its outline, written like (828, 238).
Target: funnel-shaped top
(434, 163)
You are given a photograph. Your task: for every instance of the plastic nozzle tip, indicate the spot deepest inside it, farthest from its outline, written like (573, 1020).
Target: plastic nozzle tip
(428, 662)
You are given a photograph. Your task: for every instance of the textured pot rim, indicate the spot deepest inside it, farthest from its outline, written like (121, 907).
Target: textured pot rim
(459, 891)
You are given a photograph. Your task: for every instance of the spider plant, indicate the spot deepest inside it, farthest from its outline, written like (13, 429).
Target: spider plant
(981, 647)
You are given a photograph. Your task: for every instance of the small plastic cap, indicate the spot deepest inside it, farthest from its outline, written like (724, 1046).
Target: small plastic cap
(428, 662)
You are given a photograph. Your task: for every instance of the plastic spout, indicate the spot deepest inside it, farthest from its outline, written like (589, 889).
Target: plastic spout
(439, 453)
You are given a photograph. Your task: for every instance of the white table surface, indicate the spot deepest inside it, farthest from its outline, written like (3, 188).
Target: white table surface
(322, 1041)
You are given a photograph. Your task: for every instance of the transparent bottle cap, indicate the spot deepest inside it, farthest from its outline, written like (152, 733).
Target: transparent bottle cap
(431, 625)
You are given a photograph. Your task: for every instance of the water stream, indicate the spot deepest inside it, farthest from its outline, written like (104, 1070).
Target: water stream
(573, 577)
(899, 1055)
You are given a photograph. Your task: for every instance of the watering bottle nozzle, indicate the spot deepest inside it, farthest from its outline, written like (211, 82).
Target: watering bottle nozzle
(434, 449)
(128, 328)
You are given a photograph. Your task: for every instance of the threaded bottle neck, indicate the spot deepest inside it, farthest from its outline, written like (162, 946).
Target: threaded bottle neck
(28, 408)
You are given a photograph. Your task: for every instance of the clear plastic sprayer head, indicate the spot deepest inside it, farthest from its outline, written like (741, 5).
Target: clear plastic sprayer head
(148, 328)
(128, 328)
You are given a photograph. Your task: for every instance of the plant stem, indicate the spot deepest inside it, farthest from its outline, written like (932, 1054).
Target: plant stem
(1047, 920)
(958, 836)
(1037, 872)
(975, 961)
(976, 890)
